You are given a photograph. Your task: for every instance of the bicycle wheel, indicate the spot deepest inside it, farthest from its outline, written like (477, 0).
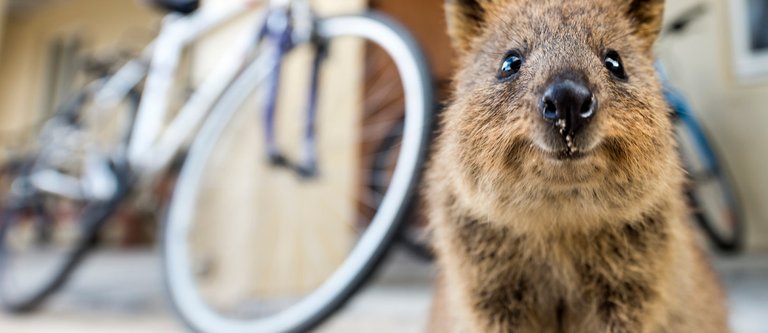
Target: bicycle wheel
(48, 221)
(297, 248)
(414, 234)
(711, 193)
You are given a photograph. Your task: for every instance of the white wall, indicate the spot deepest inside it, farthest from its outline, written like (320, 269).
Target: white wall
(736, 115)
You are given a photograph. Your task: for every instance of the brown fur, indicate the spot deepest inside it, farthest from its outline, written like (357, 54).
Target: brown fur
(531, 243)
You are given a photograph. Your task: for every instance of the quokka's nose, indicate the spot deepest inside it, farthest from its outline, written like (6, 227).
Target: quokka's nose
(569, 104)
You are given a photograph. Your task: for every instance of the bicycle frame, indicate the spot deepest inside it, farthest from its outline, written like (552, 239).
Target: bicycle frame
(682, 111)
(153, 145)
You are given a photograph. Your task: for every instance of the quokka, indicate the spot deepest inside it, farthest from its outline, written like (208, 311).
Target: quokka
(554, 189)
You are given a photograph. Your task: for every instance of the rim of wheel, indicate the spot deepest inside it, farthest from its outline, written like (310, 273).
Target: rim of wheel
(711, 190)
(181, 284)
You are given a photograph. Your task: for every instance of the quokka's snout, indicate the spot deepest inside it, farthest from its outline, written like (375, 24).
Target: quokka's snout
(568, 107)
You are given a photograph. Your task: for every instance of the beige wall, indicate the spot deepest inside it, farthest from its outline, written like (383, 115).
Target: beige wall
(104, 26)
(736, 115)
(3, 4)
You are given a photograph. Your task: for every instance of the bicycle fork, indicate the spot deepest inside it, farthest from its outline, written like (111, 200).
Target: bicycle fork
(277, 29)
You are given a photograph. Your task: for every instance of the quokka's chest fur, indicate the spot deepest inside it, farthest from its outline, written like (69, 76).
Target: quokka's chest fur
(547, 283)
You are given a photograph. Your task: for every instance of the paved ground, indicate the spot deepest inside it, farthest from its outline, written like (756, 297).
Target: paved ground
(121, 292)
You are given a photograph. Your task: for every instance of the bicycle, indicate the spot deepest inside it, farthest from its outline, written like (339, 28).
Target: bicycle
(214, 107)
(32, 217)
(712, 195)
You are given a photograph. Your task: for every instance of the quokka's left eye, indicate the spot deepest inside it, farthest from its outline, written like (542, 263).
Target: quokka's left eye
(613, 63)
(510, 66)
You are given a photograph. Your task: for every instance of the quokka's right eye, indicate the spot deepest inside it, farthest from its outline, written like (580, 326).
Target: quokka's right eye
(510, 66)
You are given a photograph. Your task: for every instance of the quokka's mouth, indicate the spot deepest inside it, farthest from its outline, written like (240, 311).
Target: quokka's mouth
(565, 152)
(569, 155)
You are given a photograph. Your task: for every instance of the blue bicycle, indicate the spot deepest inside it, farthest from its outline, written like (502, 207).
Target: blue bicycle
(712, 194)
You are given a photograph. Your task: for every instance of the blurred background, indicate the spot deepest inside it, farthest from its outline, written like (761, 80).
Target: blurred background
(49, 47)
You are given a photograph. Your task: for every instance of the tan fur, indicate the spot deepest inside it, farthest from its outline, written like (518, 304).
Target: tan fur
(531, 243)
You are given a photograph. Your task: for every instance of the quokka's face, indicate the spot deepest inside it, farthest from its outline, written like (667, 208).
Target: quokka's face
(561, 91)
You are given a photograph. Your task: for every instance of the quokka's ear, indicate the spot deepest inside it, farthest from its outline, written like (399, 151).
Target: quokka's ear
(465, 20)
(646, 17)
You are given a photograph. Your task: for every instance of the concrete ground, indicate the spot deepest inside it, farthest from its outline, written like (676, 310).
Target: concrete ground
(117, 292)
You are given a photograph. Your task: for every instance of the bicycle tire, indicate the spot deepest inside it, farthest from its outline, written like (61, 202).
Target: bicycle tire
(362, 261)
(730, 240)
(413, 236)
(92, 217)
